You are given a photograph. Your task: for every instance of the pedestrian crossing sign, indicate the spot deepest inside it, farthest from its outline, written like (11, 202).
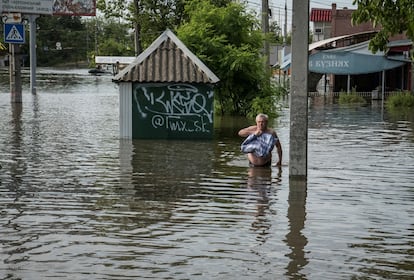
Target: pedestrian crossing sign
(14, 33)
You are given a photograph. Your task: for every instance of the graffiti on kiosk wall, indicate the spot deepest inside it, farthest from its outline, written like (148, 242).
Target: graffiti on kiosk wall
(178, 107)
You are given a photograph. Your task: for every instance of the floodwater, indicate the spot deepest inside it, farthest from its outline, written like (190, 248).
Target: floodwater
(76, 202)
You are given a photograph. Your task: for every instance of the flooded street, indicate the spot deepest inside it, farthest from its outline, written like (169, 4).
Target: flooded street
(76, 202)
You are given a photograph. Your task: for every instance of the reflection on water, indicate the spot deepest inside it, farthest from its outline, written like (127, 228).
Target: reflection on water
(78, 202)
(260, 182)
(295, 238)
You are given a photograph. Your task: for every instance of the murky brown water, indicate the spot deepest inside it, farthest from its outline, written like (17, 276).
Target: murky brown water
(78, 203)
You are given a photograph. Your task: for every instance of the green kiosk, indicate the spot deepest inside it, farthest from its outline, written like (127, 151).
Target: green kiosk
(166, 93)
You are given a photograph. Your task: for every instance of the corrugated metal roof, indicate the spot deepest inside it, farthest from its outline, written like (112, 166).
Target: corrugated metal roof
(398, 43)
(321, 15)
(167, 60)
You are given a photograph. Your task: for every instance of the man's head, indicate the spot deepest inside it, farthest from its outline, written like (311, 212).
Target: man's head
(261, 121)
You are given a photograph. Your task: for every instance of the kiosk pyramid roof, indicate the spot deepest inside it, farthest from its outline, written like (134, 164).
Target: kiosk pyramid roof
(167, 59)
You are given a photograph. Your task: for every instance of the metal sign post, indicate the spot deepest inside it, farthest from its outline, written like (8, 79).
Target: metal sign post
(12, 11)
(14, 35)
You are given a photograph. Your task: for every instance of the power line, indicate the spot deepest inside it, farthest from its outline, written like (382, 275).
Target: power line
(329, 5)
(277, 7)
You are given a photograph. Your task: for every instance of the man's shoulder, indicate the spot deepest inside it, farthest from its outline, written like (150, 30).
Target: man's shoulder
(269, 135)
(271, 131)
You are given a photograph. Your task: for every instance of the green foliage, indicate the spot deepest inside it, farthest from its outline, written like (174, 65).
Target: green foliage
(266, 104)
(155, 16)
(350, 98)
(400, 100)
(229, 41)
(112, 47)
(220, 32)
(400, 106)
(149, 18)
(80, 40)
(395, 17)
(111, 37)
(275, 34)
(113, 8)
(67, 32)
(280, 90)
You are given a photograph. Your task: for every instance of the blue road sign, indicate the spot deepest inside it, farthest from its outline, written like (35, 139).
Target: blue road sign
(14, 33)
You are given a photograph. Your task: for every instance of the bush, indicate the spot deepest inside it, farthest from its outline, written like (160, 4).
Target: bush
(350, 98)
(266, 104)
(400, 100)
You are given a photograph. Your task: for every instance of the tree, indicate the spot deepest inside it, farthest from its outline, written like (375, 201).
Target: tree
(229, 41)
(395, 17)
(60, 39)
(108, 37)
(67, 39)
(276, 35)
(148, 18)
(128, 11)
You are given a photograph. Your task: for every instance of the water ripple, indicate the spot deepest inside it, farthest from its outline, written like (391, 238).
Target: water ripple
(77, 202)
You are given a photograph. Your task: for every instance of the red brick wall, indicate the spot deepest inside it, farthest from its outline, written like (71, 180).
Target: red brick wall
(342, 23)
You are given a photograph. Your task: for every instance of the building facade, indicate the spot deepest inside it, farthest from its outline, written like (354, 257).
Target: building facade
(334, 23)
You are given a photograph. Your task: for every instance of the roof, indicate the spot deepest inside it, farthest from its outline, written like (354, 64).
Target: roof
(287, 58)
(167, 59)
(321, 15)
(324, 42)
(351, 60)
(400, 46)
(343, 40)
(400, 50)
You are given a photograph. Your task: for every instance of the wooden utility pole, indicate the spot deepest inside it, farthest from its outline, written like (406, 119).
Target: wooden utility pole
(298, 153)
(285, 28)
(285, 41)
(265, 30)
(137, 27)
(412, 73)
(33, 57)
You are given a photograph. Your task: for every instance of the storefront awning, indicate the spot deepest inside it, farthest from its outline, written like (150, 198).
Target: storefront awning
(321, 15)
(352, 60)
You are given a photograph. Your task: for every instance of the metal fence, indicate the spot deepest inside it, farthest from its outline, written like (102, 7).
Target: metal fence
(366, 94)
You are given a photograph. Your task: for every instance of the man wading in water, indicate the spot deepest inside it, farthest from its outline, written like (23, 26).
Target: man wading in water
(260, 142)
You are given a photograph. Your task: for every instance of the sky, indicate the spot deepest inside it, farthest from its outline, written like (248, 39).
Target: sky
(278, 8)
